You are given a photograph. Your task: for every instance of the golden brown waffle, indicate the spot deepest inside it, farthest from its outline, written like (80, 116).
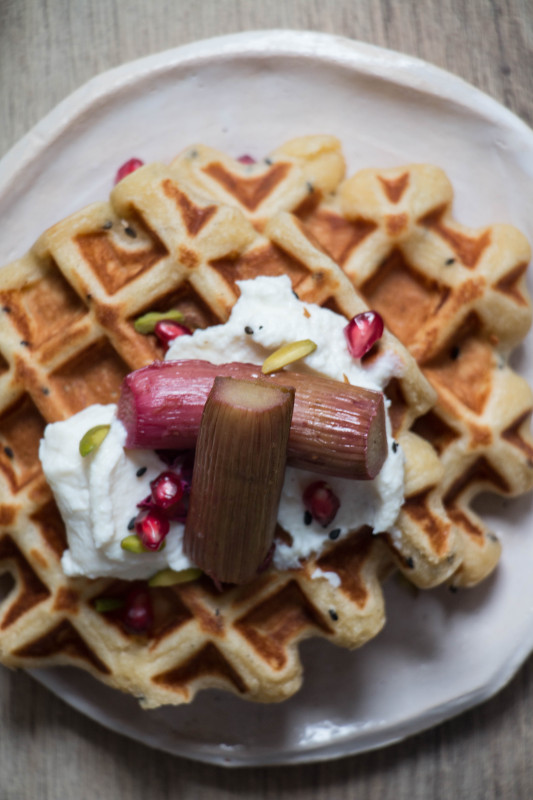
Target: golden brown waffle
(457, 298)
(66, 341)
(292, 178)
(434, 542)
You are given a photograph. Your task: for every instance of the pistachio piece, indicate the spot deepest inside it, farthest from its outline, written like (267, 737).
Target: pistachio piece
(287, 354)
(103, 604)
(169, 577)
(133, 544)
(146, 323)
(93, 439)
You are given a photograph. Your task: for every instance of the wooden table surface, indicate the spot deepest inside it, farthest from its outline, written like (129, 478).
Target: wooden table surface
(48, 751)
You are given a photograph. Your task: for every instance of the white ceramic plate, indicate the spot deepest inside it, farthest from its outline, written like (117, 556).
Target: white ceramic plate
(440, 653)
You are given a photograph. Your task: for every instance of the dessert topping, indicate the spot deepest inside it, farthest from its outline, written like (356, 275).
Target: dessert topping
(337, 429)
(132, 544)
(93, 439)
(138, 614)
(170, 577)
(167, 330)
(287, 354)
(362, 332)
(146, 323)
(238, 477)
(127, 168)
(151, 527)
(321, 502)
(167, 490)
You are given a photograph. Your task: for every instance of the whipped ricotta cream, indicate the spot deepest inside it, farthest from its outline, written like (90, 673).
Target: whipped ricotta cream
(98, 495)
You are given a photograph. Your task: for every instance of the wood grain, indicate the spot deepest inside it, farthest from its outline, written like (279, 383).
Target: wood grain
(48, 751)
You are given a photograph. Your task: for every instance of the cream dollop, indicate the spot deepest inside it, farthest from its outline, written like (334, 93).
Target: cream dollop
(97, 495)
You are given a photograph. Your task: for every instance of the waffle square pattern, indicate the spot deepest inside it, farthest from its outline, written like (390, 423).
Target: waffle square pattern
(181, 236)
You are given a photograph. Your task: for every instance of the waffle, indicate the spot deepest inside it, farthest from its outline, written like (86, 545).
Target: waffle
(293, 178)
(457, 298)
(67, 340)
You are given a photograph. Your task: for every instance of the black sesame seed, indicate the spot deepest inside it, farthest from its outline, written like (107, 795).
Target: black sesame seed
(249, 330)
(308, 518)
(107, 225)
(310, 187)
(88, 297)
(335, 533)
(131, 524)
(45, 390)
(194, 154)
(492, 537)
(6, 309)
(409, 563)
(449, 262)
(9, 452)
(268, 161)
(24, 343)
(454, 352)
(130, 232)
(294, 293)
(395, 446)
(217, 612)
(333, 614)
(140, 472)
(260, 327)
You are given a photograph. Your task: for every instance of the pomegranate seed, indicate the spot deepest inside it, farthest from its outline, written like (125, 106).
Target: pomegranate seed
(127, 168)
(175, 513)
(320, 500)
(245, 159)
(138, 614)
(151, 527)
(167, 490)
(167, 330)
(362, 332)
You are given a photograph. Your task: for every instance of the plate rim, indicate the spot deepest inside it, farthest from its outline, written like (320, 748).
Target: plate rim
(361, 57)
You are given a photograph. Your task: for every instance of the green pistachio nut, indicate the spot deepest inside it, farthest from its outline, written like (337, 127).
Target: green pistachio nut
(94, 437)
(287, 354)
(103, 604)
(133, 544)
(147, 322)
(169, 577)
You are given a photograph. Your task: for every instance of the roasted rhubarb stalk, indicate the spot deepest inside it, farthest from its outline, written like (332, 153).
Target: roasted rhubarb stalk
(238, 476)
(337, 429)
